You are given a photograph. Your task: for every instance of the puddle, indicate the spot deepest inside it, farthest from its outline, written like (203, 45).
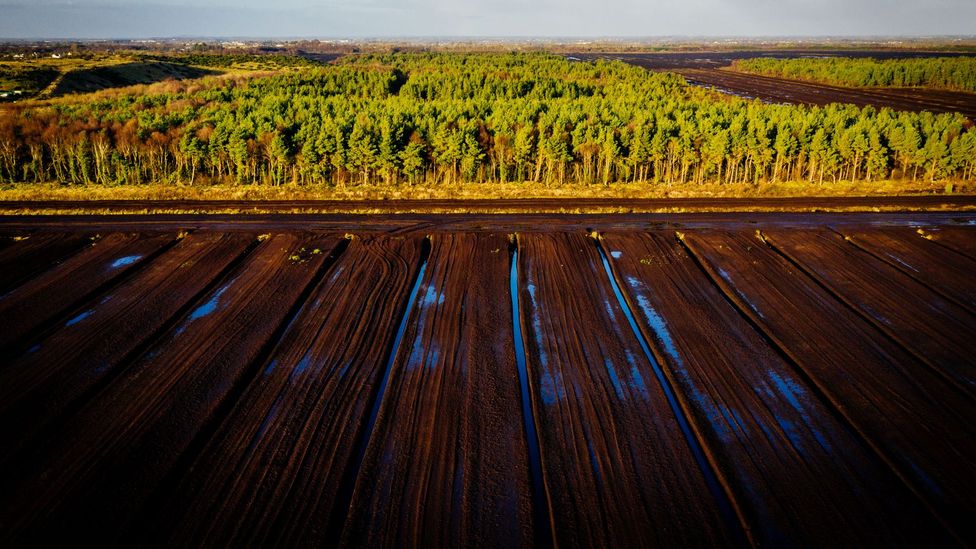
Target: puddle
(302, 364)
(594, 462)
(207, 308)
(617, 388)
(124, 261)
(929, 483)
(551, 386)
(875, 314)
(797, 398)
(432, 297)
(79, 318)
(657, 323)
(719, 416)
(610, 314)
(528, 419)
(636, 381)
(394, 351)
(345, 367)
(422, 352)
(210, 306)
(704, 466)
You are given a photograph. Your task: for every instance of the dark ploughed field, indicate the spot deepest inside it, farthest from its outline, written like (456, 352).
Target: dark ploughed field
(509, 380)
(781, 90)
(708, 69)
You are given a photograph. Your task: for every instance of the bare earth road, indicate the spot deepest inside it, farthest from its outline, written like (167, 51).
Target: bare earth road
(530, 205)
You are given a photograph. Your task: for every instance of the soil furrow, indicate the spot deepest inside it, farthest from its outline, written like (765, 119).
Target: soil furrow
(115, 451)
(937, 331)
(73, 360)
(541, 500)
(274, 467)
(447, 464)
(617, 465)
(958, 239)
(30, 309)
(908, 414)
(799, 472)
(939, 269)
(35, 253)
(706, 463)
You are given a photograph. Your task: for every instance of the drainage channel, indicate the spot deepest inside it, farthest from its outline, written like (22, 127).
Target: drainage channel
(349, 477)
(722, 499)
(541, 513)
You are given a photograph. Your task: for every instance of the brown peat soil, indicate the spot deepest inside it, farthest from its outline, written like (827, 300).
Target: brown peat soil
(431, 380)
(711, 70)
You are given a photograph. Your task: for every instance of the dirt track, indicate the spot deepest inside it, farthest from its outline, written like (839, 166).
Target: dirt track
(767, 379)
(521, 206)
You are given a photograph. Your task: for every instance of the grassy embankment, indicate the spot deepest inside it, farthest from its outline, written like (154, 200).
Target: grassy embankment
(46, 77)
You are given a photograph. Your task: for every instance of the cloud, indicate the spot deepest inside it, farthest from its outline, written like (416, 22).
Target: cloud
(352, 18)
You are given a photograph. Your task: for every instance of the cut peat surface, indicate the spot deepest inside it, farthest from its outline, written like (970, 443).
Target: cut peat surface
(27, 309)
(447, 463)
(615, 459)
(119, 446)
(960, 240)
(942, 270)
(275, 467)
(799, 472)
(80, 355)
(430, 380)
(33, 254)
(914, 419)
(938, 331)
(782, 90)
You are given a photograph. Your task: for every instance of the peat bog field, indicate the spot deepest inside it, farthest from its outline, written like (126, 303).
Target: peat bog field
(710, 70)
(509, 380)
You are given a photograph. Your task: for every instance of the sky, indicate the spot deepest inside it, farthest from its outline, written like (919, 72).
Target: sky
(482, 18)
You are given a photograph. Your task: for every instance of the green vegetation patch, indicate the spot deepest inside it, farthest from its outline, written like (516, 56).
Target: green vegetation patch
(949, 73)
(440, 120)
(124, 74)
(27, 79)
(241, 61)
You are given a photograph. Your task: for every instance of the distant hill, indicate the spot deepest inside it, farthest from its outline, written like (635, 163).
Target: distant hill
(125, 74)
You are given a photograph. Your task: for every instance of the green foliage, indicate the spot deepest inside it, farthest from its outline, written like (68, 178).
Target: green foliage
(28, 79)
(446, 118)
(232, 60)
(951, 73)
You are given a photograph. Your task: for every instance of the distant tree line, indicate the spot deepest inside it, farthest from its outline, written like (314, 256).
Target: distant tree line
(445, 118)
(949, 73)
(227, 60)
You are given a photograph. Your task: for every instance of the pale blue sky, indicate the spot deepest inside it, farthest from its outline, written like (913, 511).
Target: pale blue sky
(542, 18)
